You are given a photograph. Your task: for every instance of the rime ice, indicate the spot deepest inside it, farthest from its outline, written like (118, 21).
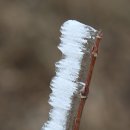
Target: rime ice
(74, 36)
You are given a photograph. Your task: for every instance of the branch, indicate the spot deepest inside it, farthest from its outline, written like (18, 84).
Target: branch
(77, 39)
(85, 91)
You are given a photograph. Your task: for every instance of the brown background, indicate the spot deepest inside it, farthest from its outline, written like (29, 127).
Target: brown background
(29, 34)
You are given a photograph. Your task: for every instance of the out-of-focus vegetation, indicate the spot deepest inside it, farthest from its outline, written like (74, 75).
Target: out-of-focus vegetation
(29, 31)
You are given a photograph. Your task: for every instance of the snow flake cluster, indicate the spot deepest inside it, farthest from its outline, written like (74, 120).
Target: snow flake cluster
(74, 36)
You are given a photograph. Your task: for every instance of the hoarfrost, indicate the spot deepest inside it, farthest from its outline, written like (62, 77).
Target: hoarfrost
(74, 36)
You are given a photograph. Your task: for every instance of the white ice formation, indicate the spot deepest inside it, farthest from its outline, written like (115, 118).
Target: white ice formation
(74, 36)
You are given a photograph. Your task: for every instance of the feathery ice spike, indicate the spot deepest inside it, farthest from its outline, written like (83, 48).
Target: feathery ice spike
(76, 42)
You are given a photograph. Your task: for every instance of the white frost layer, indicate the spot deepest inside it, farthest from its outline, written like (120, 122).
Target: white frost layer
(64, 84)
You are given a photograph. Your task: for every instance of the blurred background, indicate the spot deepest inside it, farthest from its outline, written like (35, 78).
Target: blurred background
(29, 35)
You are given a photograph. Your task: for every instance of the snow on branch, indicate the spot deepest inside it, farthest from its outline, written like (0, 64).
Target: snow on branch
(75, 44)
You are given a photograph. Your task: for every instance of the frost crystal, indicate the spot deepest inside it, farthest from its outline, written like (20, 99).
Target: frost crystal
(74, 39)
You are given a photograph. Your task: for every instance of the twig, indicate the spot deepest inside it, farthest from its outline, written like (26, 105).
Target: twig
(85, 91)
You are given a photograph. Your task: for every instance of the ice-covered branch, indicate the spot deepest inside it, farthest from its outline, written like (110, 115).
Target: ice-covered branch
(76, 41)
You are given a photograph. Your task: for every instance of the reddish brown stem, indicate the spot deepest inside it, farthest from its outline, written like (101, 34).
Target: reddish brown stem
(84, 94)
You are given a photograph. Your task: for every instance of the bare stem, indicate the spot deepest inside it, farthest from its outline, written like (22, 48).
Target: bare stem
(84, 93)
